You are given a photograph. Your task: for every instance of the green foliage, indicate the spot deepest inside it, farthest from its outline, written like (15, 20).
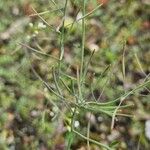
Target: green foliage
(77, 80)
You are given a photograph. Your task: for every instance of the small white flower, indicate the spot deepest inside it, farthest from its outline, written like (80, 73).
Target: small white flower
(76, 124)
(33, 35)
(41, 25)
(55, 109)
(36, 32)
(28, 37)
(52, 114)
(30, 24)
(147, 129)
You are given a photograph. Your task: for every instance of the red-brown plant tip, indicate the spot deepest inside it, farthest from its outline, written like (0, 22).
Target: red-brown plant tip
(131, 40)
(146, 25)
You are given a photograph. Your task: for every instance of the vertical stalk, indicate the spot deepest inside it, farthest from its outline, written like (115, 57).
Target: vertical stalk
(62, 36)
(83, 41)
(72, 128)
(81, 79)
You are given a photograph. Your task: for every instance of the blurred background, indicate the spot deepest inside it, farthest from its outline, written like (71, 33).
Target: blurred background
(29, 117)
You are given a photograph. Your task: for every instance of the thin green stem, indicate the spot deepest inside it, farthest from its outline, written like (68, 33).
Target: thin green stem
(83, 42)
(80, 100)
(92, 141)
(62, 36)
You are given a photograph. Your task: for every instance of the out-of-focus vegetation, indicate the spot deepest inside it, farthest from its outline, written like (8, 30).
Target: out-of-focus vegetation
(32, 117)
